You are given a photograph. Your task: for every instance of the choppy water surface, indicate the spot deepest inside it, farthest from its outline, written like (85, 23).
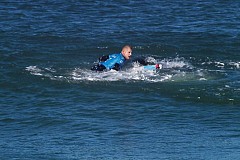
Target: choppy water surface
(54, 107)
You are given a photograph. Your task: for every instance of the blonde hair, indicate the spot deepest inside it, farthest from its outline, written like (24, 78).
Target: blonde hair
(126, 46)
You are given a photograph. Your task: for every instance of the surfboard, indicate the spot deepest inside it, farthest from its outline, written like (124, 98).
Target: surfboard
(152, 67)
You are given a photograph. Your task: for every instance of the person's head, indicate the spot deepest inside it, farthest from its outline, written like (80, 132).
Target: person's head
(127, 51)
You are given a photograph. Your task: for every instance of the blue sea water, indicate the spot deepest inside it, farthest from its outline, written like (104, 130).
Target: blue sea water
(54, 107)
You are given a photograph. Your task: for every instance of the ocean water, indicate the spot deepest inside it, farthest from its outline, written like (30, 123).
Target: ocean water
(54, 107)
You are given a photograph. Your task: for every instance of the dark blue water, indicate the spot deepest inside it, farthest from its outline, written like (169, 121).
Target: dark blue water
(54, 107)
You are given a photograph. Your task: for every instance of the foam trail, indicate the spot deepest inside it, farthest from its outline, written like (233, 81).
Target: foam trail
(177, 69)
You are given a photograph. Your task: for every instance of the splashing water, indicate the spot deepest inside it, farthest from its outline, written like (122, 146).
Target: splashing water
(171, 68)
(182, 78)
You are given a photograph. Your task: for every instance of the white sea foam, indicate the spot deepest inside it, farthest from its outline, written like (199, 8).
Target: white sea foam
(137, 73)
(235, 64)
(34, 70)
(175, 63)
(177, 69)
(223, 65)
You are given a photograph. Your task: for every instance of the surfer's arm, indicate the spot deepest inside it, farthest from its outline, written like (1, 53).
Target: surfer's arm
(141, 60)
(116, 67)
(103, 58)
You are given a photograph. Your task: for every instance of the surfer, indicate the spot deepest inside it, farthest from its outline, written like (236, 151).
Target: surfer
(113, 61)
(116, 61)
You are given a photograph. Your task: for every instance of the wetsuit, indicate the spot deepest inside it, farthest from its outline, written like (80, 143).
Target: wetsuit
(112, 61)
